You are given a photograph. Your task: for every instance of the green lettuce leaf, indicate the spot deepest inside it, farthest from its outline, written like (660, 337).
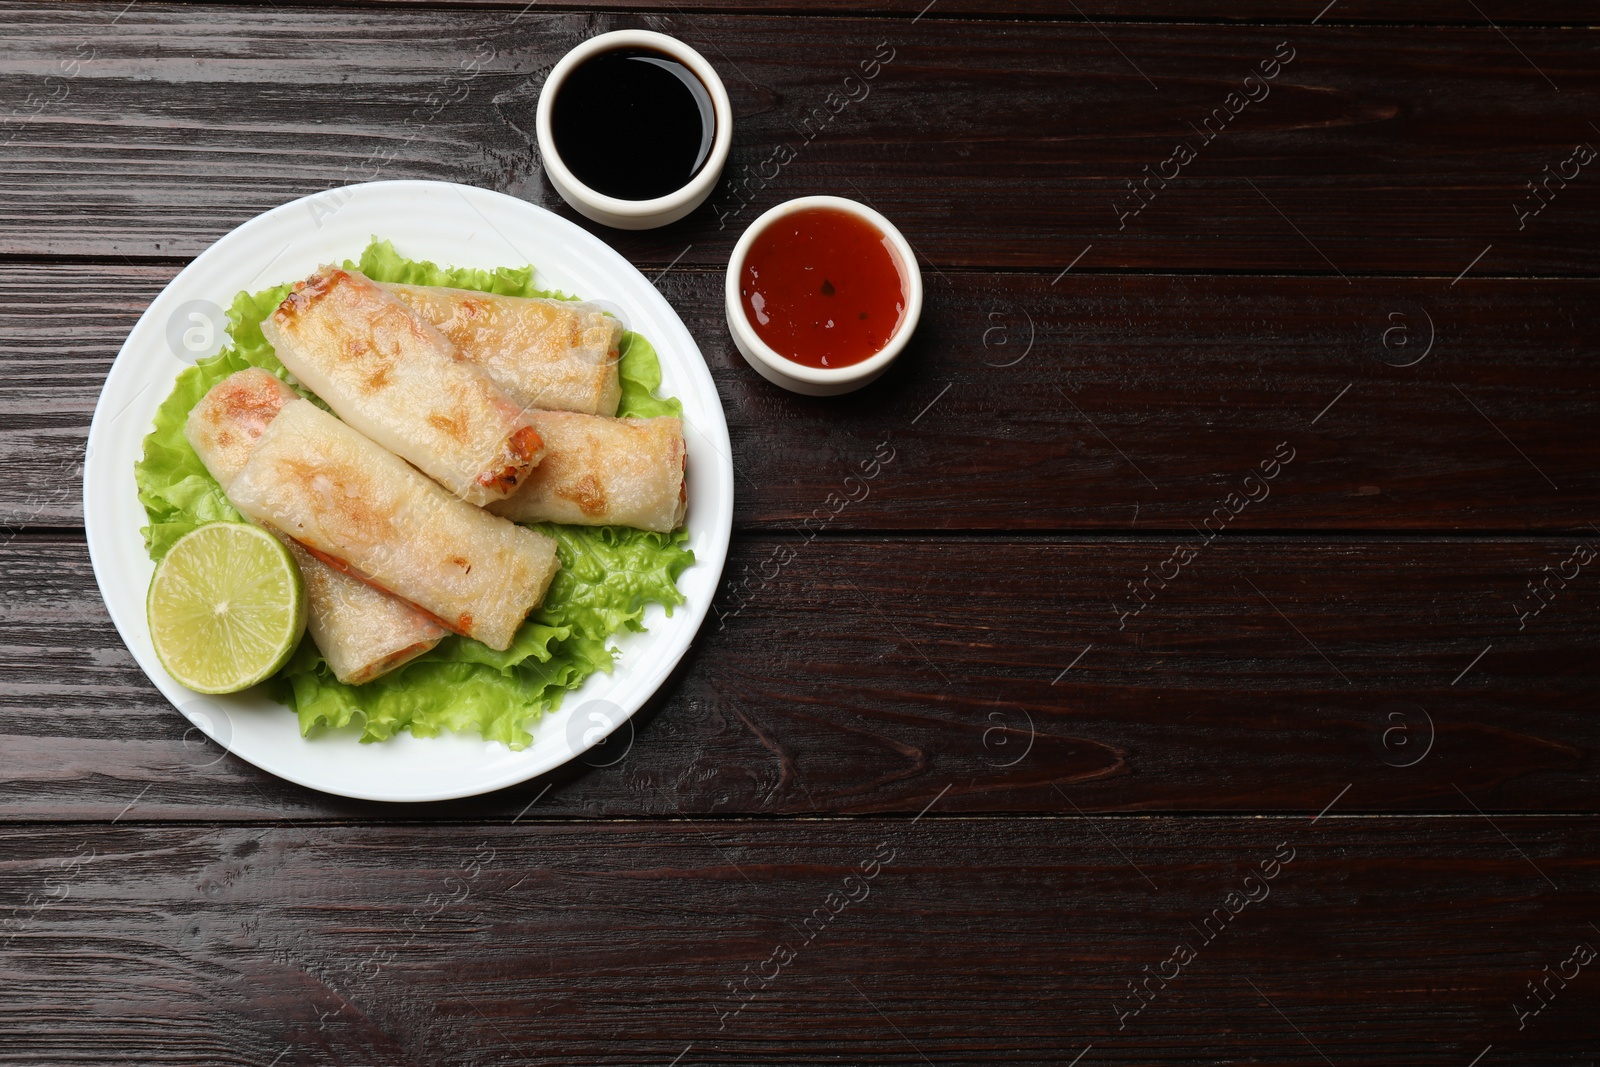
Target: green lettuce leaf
(382, 263)
(177, 492)
(608, 574)
(640, 374)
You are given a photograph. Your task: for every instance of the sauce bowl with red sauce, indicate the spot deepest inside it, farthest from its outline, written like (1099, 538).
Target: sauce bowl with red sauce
(822, 294)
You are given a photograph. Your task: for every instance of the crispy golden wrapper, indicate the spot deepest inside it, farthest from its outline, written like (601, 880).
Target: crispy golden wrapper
(362, 632)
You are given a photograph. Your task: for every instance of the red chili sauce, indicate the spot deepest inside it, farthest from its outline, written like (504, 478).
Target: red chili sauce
(823, 288)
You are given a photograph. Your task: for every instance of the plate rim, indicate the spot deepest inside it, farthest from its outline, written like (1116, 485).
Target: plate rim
(100, 529)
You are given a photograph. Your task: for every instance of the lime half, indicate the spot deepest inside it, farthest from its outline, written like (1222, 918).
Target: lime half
(226, 607)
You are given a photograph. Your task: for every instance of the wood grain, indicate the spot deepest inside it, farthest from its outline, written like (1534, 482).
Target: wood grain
(1381, 940)
(939, 671)
(1382, 148)
(871, 675)
(1513, 13)
(1107, 402)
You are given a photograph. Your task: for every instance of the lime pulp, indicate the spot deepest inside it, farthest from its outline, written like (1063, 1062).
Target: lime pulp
(226, 607)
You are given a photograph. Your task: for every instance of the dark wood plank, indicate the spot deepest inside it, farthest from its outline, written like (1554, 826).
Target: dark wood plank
(1501, 12)
(871, 675)
(1308, 12)
(60, 328)
(1369, 154)
(1141, 403)
(1375, 941)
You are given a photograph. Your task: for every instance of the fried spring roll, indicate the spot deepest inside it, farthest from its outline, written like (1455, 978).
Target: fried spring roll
(364, 510)
(604, 472)
(397, 380)
(363, 633)
(559, 355)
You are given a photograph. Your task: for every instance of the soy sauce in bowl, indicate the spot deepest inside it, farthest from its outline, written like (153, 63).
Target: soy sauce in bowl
(633, 123)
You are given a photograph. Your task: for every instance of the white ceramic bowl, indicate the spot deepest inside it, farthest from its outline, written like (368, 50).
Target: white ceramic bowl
(797, 377)
(635, 214)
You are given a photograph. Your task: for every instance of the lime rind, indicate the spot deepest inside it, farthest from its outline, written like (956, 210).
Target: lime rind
(226, 607)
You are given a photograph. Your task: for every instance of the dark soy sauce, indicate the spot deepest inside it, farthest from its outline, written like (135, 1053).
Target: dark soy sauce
(633, 123)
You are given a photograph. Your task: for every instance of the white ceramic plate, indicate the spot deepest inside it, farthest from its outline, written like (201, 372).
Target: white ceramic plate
(453, 225)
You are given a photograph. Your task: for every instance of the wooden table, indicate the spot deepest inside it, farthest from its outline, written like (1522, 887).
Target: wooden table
(1175, 693)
